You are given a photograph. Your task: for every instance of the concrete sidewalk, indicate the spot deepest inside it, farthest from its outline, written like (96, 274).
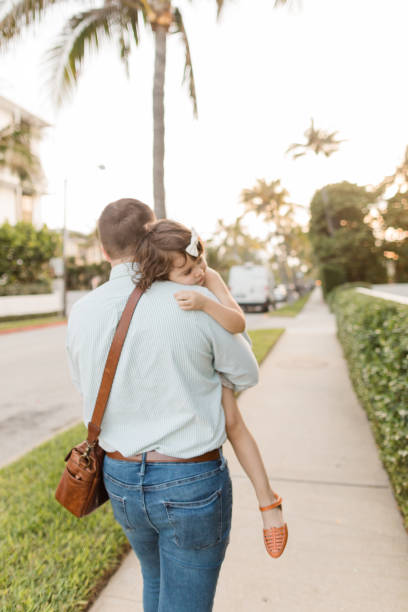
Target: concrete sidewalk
(347, 547)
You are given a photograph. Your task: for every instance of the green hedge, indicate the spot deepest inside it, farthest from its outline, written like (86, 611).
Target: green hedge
(37, 288)
(373, 333)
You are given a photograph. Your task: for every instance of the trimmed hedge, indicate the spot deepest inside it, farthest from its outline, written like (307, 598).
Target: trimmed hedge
(373, 333)
(40, 287)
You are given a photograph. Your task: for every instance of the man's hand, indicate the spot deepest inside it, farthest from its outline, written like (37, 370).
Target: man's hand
(190, 300)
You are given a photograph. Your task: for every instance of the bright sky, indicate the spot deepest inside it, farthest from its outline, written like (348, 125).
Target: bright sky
(261, 74)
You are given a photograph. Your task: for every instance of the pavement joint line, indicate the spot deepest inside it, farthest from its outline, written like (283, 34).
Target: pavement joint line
(321, 482)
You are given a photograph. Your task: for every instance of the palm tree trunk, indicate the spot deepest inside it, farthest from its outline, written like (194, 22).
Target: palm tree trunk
(160, 34)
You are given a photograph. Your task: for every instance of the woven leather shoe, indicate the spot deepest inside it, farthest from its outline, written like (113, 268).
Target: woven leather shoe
(275, 538)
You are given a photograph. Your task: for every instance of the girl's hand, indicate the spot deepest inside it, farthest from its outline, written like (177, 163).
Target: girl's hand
(190, 300)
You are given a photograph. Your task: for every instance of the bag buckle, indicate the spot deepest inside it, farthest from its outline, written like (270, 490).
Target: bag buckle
(85, 454)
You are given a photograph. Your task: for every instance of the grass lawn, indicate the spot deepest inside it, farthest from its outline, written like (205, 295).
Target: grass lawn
(52, 561)
(291, 310)
(21, 323)
(263, 340)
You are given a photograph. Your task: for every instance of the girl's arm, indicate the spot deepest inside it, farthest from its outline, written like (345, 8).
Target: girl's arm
(227, 313)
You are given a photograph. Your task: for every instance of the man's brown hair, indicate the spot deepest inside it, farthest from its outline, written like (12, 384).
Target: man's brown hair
(121, 226)
(155, 252)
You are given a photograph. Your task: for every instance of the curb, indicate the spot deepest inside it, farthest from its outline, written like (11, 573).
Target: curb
(13, 330)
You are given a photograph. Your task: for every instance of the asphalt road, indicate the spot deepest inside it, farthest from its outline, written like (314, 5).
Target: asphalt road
(37, 396)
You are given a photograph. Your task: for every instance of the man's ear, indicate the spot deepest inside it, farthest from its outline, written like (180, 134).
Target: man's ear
(105, 255)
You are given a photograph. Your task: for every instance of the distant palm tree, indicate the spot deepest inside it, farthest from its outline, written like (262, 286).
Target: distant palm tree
(270, 201)
(17, 156)
(117, 21)
(318, 142)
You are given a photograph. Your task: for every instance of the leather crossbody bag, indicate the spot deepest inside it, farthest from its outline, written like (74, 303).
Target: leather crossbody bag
(81, 489)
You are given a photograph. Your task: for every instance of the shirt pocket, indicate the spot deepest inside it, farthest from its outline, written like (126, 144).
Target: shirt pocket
(196, 524)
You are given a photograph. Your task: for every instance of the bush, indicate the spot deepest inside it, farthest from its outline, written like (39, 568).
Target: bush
(25, 252)
(331, 276)
(38, 288)
(79, 277)
(373, 334)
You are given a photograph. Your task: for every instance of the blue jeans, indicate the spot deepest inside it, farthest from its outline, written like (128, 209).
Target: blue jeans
(177, 518)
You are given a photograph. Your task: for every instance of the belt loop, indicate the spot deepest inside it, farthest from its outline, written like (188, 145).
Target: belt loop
(143, 466)
(223, 460)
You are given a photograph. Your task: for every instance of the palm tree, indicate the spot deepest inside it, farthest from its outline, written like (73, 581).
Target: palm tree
(17, 156)
(318, 142)
(117, 21)
(270, 201)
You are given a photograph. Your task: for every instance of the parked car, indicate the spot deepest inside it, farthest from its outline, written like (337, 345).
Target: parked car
(281, 293)
(252, 286)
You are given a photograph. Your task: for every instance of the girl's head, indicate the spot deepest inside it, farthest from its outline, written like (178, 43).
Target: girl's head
(161, 255)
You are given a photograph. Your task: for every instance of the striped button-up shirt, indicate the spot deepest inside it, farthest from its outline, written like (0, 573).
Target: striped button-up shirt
(166, 393)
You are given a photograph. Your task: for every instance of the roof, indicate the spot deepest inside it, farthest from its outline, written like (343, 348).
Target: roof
(25, 114)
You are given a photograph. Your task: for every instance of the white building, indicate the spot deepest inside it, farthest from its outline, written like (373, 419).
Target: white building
(15, 205)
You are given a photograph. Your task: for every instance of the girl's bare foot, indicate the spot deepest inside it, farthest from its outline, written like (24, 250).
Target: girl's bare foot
(273, 517)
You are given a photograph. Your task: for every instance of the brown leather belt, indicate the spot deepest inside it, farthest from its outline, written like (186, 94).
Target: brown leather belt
(155, 456)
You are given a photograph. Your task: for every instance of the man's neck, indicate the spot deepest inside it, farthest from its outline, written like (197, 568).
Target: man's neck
(116, 262)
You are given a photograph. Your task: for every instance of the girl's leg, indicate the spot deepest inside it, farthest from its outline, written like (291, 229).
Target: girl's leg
(247, 452)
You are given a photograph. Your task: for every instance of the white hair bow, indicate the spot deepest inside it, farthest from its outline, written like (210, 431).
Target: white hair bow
(192, 248)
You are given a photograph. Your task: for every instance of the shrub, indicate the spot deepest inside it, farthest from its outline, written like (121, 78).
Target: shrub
(331, 276)
(373, 334)
(79, 276)
(40, 287)
(25, 252)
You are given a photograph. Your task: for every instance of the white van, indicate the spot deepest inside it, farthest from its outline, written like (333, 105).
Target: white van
(252, 286)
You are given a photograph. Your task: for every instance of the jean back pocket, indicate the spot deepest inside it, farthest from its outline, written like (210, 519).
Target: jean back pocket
(196, 524)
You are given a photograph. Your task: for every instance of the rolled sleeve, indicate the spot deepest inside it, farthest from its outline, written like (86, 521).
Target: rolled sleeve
(233, 357)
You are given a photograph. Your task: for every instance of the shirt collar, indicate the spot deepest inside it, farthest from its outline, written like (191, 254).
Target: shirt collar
(127, 268)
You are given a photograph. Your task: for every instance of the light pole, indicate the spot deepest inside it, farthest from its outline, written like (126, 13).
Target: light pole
(64, 251)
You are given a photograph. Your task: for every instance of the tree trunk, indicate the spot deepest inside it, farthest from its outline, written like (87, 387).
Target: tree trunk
(160, 34)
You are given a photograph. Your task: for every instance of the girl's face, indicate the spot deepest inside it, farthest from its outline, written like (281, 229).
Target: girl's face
(188, 272)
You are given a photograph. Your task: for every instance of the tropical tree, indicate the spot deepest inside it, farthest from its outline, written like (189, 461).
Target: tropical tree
(117, 21)
(319, 142)
(232, 245)
(270, 202)
(17, 156)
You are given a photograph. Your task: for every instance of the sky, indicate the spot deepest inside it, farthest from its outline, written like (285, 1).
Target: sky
(261, 74)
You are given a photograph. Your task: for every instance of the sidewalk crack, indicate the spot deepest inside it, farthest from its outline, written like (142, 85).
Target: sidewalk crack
(322, 482)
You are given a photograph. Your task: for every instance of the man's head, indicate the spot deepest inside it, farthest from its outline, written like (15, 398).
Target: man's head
(121, 227)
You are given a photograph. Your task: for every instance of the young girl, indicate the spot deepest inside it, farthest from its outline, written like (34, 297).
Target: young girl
(170, 251)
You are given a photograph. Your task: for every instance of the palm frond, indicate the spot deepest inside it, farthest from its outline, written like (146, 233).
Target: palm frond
(188, 67)
(82, 32)
(22, 14)
(220, 6)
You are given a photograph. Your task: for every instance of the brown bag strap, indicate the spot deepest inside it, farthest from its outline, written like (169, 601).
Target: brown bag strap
(94, 425)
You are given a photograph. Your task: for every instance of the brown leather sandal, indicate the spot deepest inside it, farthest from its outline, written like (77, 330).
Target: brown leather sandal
(275, 538)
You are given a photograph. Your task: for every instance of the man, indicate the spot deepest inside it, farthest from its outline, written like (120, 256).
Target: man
(164, 426)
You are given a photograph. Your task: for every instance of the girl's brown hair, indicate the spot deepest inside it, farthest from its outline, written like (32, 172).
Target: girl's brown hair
(155, 252)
